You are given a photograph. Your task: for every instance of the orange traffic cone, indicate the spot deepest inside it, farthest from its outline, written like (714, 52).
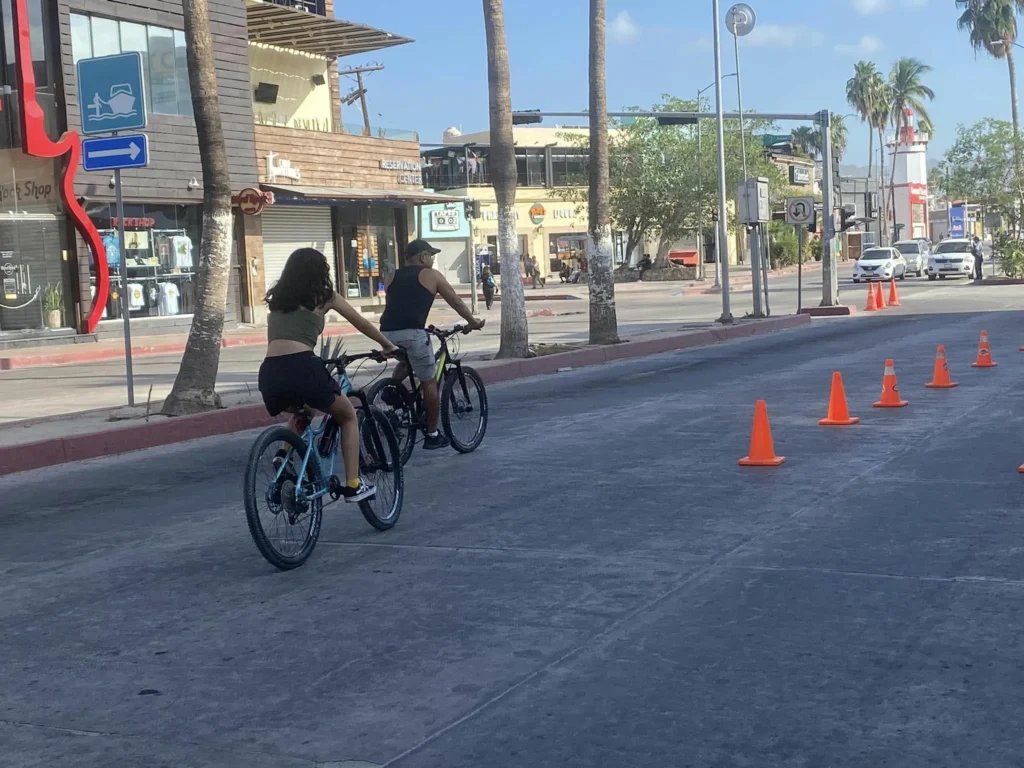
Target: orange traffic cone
(894, 297)
(984, 354)
(879, 296)
(762, 450)
(838, 412)
(890, 391)
(940, 378)
(872, 304)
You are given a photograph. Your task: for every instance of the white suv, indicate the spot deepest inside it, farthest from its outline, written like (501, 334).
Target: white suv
(916, 255)
(951, 258)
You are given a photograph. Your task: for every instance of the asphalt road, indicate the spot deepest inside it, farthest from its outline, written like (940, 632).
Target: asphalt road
(599, 585)
(40, 392)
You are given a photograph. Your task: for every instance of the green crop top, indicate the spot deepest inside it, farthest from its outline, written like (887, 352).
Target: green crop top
(301, 325)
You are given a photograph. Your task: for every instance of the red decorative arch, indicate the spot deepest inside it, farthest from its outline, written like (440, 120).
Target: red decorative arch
(37, 143)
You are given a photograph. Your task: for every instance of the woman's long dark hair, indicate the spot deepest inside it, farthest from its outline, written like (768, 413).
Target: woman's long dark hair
(305, 282)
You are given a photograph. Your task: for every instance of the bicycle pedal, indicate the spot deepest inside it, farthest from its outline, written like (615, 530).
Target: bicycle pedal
(335, 487)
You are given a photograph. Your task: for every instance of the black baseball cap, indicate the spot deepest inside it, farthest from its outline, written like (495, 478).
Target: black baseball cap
(416, 247)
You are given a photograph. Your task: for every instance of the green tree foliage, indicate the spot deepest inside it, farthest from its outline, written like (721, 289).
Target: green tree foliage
(660, 183)
(980, 168)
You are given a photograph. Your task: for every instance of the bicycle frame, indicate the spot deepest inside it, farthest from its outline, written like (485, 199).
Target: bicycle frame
(443, 362)
(313, 432)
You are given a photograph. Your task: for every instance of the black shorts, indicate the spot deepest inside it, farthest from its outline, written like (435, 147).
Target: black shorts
(291, 381)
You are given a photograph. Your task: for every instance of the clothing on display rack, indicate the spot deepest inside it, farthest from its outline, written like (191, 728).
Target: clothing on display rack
(113, 248)
(169, 295)
(136, 297)
(181, 246)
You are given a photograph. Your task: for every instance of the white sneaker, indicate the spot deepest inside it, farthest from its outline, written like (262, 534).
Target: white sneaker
(362, 493)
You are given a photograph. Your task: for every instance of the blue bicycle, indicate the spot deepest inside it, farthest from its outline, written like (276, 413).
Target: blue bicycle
(288, 475)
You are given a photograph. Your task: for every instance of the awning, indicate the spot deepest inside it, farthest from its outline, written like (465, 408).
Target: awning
(345, 194)
(288, 27)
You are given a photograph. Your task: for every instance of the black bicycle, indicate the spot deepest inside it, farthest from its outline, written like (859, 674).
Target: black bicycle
(289, 475)
(463, 399)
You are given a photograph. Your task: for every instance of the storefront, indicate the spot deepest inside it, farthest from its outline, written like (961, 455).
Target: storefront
(35, 273)
(552, 232)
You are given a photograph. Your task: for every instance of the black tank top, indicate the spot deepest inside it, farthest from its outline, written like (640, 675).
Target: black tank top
(408, 302)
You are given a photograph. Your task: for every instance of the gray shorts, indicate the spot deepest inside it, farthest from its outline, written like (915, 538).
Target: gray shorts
(418, 345)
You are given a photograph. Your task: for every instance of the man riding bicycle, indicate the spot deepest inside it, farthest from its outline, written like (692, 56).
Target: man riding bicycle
(410, 293)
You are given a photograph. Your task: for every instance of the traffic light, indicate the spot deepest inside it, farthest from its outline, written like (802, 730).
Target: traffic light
(872, 205)
(847, 216)
(527, 117)
(472, 209)
(667, 120)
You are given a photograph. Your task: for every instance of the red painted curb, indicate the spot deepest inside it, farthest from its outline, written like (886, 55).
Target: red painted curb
(87, 355)
(62, 450)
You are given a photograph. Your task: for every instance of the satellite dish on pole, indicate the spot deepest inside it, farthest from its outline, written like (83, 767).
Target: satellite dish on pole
(740, 20)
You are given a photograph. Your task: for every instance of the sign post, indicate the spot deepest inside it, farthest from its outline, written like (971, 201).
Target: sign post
(799, 213)
(112, 98)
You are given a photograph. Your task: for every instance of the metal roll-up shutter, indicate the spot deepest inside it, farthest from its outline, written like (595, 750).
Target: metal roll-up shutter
(287, 228)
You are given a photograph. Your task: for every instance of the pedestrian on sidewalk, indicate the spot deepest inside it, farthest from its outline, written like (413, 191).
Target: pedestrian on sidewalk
(644, 264)
(489, 286)
(979, 257)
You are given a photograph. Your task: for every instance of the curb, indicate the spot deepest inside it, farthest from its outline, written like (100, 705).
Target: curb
(743, 281)
(63, 450)
(88, 355)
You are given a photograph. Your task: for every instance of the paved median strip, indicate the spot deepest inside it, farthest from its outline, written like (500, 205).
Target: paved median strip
(166, 431)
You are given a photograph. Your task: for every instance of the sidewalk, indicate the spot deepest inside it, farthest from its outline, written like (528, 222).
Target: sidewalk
(46, 442)
(567, 300)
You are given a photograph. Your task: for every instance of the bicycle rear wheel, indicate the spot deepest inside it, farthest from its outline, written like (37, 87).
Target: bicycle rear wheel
(284, 527)
(380, 463)
(392, 398)
(464, 409)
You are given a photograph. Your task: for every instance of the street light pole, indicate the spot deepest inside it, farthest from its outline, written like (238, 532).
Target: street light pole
(723, 234)
(700, 196)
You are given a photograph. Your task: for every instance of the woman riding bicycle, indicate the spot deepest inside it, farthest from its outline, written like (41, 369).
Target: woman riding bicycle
(291, 375)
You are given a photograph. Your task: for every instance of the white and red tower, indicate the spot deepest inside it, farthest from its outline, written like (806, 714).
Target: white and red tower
(909, 158)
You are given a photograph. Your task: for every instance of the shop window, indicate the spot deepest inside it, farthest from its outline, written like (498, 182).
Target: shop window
(163, 57)
(371, 241)
(35, 278)
(161, 249)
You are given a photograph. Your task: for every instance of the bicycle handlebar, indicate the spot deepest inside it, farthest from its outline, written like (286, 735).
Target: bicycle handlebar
(441, 334)
(343, 361)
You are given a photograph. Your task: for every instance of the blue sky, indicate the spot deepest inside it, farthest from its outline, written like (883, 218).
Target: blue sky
(798, 60)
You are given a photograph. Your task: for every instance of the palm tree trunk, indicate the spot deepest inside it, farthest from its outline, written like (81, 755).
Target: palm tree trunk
(871, 150)
(883, 237)
(1012, 66)
(195, 386)
(892, 180)
(603, 323)
(514, 329)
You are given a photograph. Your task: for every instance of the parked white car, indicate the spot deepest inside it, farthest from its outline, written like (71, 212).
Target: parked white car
(916, 253)
(951, 258)
(880, 264)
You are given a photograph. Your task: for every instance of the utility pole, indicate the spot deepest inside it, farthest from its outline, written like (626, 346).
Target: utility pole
(360, 92)
(829, 272)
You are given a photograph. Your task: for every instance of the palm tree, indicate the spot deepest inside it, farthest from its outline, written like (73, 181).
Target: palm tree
(991, 26)
(908, 92)
(881, 102)
(807, 140)
(194, 387)
(840, 138)
(860, 92)
(603, 322)
(514, 329)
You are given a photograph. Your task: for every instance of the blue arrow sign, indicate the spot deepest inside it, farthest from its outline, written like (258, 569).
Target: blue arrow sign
(130, 150)
(111, 93)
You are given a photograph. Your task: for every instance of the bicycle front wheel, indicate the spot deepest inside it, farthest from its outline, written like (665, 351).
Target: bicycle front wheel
(283, 520)
(464, 409)
(391, 397)
(380, 462)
